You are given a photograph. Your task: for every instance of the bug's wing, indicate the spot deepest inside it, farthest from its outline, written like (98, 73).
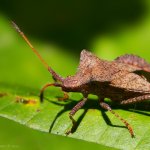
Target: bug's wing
(91, 68)
(134, 60)
(131, 82)
(142, 67)
(144, 74)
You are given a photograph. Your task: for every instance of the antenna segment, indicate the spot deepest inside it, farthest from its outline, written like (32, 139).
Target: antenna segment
(31, 46)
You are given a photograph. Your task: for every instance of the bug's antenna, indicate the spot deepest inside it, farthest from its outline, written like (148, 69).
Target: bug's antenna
(54, 74)
(28, 42)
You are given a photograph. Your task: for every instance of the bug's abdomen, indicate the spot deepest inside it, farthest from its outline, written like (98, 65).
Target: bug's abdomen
(105, 90)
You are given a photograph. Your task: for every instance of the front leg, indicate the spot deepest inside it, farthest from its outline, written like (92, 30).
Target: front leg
(52, 84)
(44, 88)
(107, 107)
(65, 97)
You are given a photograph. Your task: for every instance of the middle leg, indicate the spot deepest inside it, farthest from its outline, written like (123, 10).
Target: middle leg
(107, 107)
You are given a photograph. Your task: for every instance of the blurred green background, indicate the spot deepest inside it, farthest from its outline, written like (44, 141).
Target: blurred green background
(60, 30)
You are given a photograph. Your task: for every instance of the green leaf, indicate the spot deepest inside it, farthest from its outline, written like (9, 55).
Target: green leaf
(19, 136)
(21, 78)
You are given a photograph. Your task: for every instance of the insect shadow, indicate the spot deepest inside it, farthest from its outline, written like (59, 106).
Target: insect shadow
(93, 104)
(140, 108)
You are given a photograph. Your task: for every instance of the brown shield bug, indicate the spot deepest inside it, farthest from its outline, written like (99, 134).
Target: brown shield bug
(124, 80)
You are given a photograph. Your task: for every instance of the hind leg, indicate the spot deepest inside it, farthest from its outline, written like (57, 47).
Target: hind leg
(135, 99)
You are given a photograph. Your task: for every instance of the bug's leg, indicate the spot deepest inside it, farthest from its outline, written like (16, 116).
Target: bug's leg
(107, 107)
(65, 97)
(135, 99)
(46, 86)
(73, 111)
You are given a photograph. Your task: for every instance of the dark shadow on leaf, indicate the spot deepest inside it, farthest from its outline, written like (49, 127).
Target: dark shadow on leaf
(57, 116)
(108, 121)
(140, 112)
(75, 127)
(140, 108)
(67, 107)
(93, 104)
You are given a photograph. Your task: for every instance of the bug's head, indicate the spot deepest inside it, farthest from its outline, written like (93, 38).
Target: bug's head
(70, 84)
(66, 84)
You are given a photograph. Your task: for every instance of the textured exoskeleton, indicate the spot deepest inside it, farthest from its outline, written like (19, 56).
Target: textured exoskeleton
(124, 80)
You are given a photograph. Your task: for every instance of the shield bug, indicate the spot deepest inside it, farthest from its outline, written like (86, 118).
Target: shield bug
(124, 80)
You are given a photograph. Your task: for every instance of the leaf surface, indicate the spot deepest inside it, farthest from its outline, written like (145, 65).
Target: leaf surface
(20, 81)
